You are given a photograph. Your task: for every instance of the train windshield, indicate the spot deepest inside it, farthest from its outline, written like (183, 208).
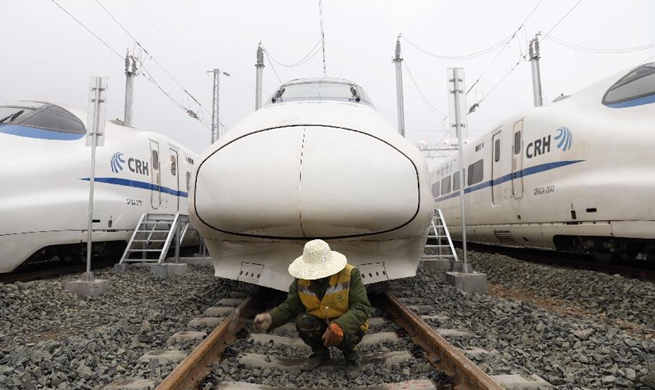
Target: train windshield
(335, 90)
(634, 89)
(41, 116)
(11, 114)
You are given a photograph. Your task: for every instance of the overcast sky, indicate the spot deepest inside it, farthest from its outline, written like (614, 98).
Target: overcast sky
(46, 55)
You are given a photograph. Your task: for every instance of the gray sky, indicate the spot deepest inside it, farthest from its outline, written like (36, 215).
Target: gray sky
(48, 56)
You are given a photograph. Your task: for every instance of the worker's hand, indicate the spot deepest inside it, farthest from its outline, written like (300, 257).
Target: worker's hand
(333, 335)
(263, 321)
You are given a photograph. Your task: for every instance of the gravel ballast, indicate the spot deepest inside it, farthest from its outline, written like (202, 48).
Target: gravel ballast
(50, 338)
(576, 329)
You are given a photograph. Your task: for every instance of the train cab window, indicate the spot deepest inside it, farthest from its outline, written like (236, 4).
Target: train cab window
(173, 166)
(9, 114)
(188, 181)
(517, 142)
(436, 187)
(320, 89)
(445, 185)
(497, 150)
(456, 180)
(55, 118)
(476, 172)
(639, 83)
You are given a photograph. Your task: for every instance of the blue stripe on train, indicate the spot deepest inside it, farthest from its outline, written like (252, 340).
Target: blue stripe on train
(634, 102)
(138, 184)
(31, 132)
(522, 173)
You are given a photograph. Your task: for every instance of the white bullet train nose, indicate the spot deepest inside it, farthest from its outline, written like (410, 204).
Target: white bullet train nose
(303, 182)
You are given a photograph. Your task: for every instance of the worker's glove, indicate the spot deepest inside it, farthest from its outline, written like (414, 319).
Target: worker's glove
(263, 321)
(333, 335)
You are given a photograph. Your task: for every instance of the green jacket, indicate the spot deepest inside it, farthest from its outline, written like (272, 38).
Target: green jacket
(359, 308)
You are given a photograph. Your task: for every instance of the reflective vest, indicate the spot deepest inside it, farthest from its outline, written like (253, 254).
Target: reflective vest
(335, 301)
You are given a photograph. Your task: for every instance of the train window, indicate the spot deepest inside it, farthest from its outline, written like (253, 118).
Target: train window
(320, 89)
(188, 181)
(497, 150)
(456, 180)
(436, 187)
(476, 172)
(155, 160)
(55, 118)
(517, 142)
(173, 166)
(445, 185)
(637, 84)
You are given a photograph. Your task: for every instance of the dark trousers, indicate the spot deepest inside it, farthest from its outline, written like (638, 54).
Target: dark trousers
(311, 330)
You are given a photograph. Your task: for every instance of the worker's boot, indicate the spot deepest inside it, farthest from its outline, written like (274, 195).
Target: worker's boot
(316, 359)
(352, 362)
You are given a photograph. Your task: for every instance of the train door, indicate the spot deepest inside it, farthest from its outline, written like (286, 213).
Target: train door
(517, 161)
(155, 190)
(496, 172)
(175, 174)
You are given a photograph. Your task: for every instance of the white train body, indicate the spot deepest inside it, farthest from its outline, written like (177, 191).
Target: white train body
(45, 182)
(577, 175)
(319, 162)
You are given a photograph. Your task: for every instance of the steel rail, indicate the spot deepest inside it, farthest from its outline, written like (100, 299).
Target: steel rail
(198, 363)
(441, 353)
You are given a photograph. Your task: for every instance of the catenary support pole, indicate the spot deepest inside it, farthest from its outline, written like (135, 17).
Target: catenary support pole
(130, 74)
(399, 89)
(536, 72)
(259, 77)
(215, 106)
(458, 122)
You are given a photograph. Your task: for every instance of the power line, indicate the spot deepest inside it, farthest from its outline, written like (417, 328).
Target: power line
(314, 50)
(272, 67)
(563, 17)
(456, 58)
(87, 29)
(520, 61)
(602, 51)
(422, 95)
(521, 26)
(166, 36)
(143, 70)
(320, 12)
(150, 55)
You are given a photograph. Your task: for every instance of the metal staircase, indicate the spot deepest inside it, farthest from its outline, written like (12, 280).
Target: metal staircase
(153, 236)
(439, 245)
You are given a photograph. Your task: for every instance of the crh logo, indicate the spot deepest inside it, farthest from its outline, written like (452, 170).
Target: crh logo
(565, 138)
(117, 162)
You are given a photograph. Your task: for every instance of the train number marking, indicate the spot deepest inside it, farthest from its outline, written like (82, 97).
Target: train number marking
(544, 190)
(134, 202)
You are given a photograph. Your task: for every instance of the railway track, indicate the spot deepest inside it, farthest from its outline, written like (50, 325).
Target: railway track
(400, 342)
(51, 270)
(638, 269)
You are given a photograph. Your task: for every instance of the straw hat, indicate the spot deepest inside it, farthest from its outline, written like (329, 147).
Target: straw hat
(317, 261)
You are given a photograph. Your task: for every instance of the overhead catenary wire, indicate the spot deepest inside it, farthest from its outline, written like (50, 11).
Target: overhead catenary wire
(150, 55)
(144, 71)
(429, 105)
(562, 19)
(145, 14)
(89, 30)
(601, 51)
(272, 67)
(314, 50)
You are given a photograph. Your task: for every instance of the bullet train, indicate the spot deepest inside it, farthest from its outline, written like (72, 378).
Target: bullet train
(316, 161)
(45, 172)
(577, 175)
